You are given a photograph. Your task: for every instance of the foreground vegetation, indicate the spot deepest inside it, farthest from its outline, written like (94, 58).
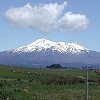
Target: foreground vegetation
(46, 84)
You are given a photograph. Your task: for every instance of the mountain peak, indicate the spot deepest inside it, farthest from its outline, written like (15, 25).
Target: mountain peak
(45, 45)
(42, 40)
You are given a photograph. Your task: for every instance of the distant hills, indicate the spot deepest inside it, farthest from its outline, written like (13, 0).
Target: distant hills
(44, 52)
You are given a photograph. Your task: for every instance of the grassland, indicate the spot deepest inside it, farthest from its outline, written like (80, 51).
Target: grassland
(46, 84)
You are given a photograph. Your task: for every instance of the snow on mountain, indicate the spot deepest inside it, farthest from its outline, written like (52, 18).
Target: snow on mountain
(44, 52)
(43, 44)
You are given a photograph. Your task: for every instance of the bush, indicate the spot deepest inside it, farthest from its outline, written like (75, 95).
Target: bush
(54, 66)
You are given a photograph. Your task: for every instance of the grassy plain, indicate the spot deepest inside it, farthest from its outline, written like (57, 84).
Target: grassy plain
(46, 84)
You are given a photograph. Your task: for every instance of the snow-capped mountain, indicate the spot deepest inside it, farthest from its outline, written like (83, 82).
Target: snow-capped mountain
(44, 45)
(44, 52)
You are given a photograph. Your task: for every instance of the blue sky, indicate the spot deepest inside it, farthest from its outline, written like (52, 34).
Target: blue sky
(13, 36)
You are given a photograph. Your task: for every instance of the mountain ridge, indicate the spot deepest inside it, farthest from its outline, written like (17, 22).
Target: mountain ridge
(47, 44)
(44, 52)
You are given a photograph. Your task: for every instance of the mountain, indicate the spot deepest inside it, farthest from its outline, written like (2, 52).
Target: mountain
(43, 52)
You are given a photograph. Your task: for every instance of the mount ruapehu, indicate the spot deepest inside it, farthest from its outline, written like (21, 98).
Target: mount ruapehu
(43, 52)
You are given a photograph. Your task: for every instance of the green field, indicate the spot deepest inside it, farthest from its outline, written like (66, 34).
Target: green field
(46, 84)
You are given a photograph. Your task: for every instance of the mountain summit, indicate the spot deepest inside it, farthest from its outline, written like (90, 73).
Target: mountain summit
(44, 45)
(43, 52)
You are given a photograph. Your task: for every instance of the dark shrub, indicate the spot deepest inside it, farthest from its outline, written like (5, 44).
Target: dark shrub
(54, 66)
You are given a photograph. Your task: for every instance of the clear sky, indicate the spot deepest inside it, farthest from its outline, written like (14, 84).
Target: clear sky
(74, 13)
